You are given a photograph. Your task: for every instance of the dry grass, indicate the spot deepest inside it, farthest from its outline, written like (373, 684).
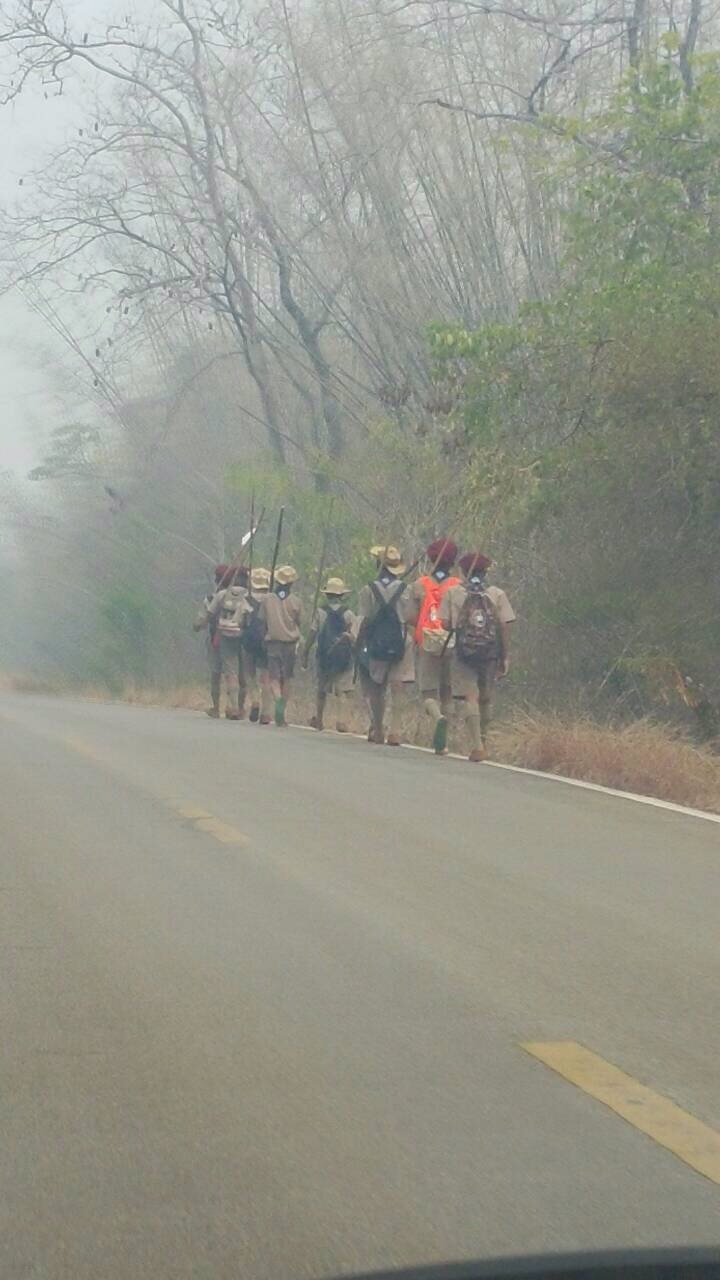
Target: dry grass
(22, 683)
(647, 758)
(191, 697)
(643, 757)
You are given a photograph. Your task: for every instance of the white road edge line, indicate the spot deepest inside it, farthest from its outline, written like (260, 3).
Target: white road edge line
(493, 764)
(549, 777)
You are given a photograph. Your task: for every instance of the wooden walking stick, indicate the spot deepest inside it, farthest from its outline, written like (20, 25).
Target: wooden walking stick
(323, 561)
(276, 551)
(318, 584)
(252, 537)
(246, 541)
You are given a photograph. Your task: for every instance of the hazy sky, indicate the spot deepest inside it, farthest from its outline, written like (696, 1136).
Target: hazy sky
(24, 387)
(31, 357)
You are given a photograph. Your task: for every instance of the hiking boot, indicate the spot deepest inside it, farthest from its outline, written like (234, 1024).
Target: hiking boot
(280, 720)
(478, 755)
(213, 713)
(393, 740)
(264, 720)
(254, 713)
(316, 723)
(439, 742)
(341, 727)
(377, 736)
(233, 715)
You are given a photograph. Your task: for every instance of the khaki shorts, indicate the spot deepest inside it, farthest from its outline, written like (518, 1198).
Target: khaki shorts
(434, 672)
(336, 681)
(466, 680)
(402, 672)
(252, 666)
(281, 659)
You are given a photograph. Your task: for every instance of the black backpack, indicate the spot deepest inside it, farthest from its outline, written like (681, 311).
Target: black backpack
(334, 655)
(385, 634)
(253, 635)
(477, 635)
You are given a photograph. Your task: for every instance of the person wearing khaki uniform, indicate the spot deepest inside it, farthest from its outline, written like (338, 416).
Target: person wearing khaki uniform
(386, 685)
(254, 654)
(206, 620)
(281, 613)
(333, 684)
(433, 655)
(232, 600)
(471, 687)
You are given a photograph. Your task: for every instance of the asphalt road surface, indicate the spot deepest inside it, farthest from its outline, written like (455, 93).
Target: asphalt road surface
(264, 996)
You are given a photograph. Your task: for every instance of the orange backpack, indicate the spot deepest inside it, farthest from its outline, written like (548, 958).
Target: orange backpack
(429, 614)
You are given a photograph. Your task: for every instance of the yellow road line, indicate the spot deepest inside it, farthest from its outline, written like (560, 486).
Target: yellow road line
(221, 831)
(200, 818)
(663, 1121)
(205, 822)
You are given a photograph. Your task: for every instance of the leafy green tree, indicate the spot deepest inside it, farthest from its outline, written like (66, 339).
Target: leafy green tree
(589, 428)
(126, 623)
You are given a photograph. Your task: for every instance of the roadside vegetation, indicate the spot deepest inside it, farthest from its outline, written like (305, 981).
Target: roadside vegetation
(641, 756)
(359, 272)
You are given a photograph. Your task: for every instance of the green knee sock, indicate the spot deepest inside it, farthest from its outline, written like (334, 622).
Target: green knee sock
(439, 741)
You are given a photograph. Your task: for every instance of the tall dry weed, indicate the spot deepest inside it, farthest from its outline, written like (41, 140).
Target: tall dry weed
(642, 757)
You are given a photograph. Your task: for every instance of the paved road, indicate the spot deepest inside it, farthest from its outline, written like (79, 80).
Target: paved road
(264, 993)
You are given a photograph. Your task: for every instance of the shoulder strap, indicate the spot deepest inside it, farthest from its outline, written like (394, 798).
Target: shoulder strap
(379, 598)
(392, 598)
(490, 603)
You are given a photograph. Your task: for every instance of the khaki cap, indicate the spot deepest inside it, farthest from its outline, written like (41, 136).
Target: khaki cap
(286, 575)
(390, 558)
(260, 580)
(336, 587)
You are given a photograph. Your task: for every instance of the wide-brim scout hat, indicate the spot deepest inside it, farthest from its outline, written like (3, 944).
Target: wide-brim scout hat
(286, 575)
(390, 559)
(336, 587)
(260, 580)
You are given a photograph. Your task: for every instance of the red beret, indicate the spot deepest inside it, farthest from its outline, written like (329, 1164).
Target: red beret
(442, 551)
(474, 560)
(226, 572)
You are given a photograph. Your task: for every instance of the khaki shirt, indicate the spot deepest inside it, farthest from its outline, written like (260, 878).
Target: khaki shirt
(404, 670)
(281, 617)
(350, 619)
(417, 594)
(204, 618)
(368, 605)
(454, 599)
(213, 603)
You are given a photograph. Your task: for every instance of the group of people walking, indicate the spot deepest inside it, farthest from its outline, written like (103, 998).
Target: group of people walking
(447, 632)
